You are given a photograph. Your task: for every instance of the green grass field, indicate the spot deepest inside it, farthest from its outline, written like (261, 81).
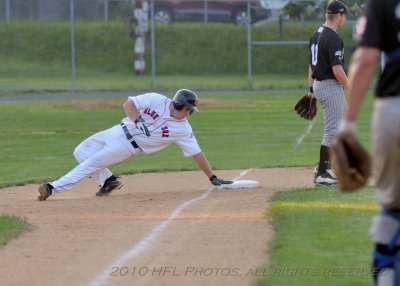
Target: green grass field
(107, 81)
(322, 238)
(11, 227)
(317, 229)
(256, 130)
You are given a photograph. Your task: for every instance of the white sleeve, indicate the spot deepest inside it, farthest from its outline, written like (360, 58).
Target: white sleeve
(146, 100)
(189, 146)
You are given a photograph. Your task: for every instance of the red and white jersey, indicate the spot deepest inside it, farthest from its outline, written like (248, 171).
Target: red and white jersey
(164, 129)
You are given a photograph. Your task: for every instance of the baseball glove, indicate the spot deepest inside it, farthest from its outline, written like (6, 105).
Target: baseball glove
(306, 107)
(350, 162)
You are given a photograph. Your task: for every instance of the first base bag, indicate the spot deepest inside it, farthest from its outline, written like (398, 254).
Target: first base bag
(241, 184)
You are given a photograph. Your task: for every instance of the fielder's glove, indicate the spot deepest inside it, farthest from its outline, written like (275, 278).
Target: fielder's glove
(350, 161)
(218, 182)
(306, 107)
(139, 122)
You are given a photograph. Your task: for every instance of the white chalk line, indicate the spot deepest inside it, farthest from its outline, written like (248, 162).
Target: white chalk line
(300, 139)
(145, 242)
(298, 142)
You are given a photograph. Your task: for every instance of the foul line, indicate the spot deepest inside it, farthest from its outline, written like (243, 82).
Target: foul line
(325, 205)
(300, 139)
(144, 243)
(298, 142)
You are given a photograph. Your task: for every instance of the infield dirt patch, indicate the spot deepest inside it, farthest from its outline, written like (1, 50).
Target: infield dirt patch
(218, 240)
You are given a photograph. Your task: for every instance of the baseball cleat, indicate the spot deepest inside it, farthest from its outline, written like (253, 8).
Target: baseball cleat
(325, 180)
(108, 187)
(44, 191)
(330, 172)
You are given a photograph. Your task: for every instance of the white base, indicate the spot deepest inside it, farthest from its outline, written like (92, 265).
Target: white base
(241, 184)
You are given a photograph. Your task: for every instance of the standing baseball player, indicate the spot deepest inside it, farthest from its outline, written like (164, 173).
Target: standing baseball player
(327, 79)
(379, 31)
(153, 122)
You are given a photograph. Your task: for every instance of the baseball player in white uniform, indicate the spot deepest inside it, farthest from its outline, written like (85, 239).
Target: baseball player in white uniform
(153, 122)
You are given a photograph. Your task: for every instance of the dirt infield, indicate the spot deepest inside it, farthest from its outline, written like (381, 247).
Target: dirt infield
(159, 229)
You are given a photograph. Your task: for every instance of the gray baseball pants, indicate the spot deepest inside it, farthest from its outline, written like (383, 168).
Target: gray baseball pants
(386, 151)
(330, 94)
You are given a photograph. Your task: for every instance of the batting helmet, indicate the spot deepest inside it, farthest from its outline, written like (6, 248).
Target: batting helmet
(185, 98)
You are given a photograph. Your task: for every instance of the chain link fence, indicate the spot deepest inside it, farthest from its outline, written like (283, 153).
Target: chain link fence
(59, 10)
(114, 44)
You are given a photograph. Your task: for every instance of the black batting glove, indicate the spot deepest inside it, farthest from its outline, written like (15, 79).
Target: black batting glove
(218, 182)
(139, 122)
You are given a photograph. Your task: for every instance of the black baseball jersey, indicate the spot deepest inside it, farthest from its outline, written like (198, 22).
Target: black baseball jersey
(382, 31)
(326, 50)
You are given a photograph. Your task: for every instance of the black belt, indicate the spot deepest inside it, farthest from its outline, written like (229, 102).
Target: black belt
(324, 79)
(129, 136)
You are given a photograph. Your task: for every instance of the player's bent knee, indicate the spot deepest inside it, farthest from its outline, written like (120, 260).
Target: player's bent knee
(385, 233)
(79, 154)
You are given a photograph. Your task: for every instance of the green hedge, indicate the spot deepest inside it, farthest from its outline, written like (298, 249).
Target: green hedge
(192, 49)
(98, 46)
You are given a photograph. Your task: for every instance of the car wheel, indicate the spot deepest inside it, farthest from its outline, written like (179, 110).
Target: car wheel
(239, 16)
(163, 16)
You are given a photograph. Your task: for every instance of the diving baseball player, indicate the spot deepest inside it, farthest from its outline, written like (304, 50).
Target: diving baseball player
(153, 122)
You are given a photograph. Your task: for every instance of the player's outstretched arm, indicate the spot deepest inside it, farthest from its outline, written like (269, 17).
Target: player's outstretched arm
(202, 162)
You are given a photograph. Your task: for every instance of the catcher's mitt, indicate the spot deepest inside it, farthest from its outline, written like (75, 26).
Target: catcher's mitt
(306, 107)
(350, 162)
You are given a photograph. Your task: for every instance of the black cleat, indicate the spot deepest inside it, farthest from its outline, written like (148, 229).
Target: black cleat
(108, 187)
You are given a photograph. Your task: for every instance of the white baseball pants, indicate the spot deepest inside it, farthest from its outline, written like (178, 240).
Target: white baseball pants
(95, 155)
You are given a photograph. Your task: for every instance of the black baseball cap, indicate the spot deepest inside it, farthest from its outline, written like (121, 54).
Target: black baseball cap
(336, 7)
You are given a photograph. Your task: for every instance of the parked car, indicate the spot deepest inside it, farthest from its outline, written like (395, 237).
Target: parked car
(169, 11)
